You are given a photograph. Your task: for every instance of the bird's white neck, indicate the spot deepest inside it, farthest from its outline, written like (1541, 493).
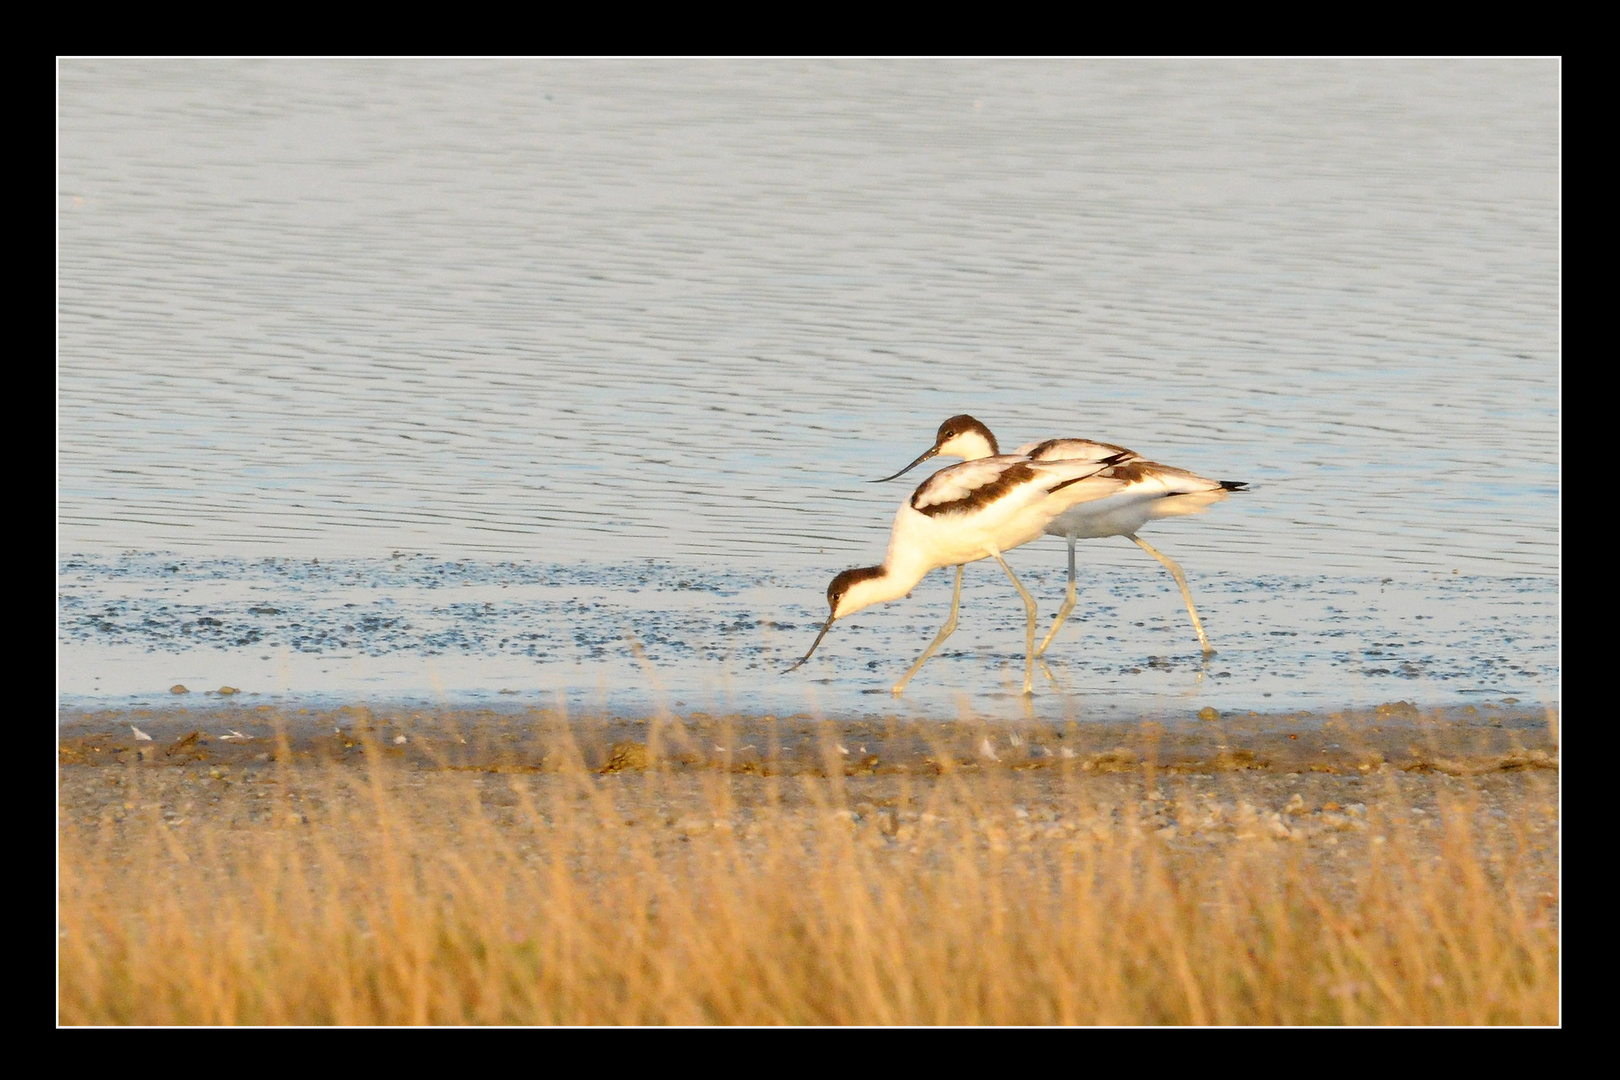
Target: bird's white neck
(894, 579)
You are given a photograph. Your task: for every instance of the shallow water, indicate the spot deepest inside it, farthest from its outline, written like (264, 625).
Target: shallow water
(570, 375)
(653, 635)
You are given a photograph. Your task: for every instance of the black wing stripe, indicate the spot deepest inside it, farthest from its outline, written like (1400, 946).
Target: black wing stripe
(979, 497)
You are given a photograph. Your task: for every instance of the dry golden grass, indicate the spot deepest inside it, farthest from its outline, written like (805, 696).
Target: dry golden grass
(354, 894)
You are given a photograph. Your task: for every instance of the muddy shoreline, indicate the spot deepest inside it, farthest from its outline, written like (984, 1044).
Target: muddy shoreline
(1397, 736)
(1334, 782)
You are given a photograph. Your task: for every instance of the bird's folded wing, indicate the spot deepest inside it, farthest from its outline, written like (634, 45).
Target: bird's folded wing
(1075, 450)
(972, 484)
(976, 485)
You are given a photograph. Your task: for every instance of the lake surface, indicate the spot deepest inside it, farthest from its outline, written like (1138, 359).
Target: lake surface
(528, 381)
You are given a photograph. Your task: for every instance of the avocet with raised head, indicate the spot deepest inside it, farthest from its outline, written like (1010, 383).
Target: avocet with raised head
(1148, 491)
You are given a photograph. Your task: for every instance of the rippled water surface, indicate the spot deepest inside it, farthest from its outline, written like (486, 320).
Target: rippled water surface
(444, 380)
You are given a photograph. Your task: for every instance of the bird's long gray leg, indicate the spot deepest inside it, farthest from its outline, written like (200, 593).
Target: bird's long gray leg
(944, 632)
(1029, 636)
(1181, 580)
(1068, 605)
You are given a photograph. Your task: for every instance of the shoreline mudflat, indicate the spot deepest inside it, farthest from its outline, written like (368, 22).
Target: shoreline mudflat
(1330, 782)
(1397, 735)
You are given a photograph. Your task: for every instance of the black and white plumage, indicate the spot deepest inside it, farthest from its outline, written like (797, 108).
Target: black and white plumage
(1147, 491)
(976, 510)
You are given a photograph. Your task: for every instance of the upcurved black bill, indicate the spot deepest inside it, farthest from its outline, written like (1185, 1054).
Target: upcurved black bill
(819, 636)
(930, 452)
